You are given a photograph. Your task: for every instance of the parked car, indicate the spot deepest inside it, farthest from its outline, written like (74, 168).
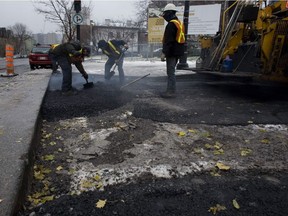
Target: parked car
(38, 57)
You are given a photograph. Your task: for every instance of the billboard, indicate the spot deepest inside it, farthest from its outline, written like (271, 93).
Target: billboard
(203, 19)
(155, 26)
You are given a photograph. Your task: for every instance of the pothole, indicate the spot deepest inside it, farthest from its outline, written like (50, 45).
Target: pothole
(87, 102)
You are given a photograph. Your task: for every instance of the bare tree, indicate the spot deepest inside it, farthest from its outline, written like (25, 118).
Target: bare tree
(61, 13)
(21, 34)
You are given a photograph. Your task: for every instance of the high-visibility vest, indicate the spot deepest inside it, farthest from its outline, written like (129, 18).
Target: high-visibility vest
(54, 45)
(180, 36)
(113, 48)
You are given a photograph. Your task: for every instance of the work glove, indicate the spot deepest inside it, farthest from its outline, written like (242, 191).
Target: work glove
(85, 75)
(163, 57)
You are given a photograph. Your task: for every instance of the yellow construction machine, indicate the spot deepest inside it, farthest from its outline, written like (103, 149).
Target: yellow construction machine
(254, 40)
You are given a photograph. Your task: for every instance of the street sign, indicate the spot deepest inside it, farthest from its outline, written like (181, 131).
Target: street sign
(77, 19)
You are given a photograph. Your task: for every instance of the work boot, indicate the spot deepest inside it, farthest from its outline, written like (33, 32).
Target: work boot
(108, 77)
(168, 94)
(70, 92)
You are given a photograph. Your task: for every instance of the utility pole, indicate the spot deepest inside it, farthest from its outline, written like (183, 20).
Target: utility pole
(77, 8)
(183, 60)
(91, 35)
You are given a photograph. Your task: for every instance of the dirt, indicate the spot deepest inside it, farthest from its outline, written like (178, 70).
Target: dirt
(144, 155)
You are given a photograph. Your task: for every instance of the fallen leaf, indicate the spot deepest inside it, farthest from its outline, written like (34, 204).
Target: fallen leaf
(101, 203)
(265, 141)
(1, 200)
(38, 175)
(192, 131)
(214, 172)
(218, 152)
(197, 150)
(59, 168)
(250, 122)
(97, 177)
(218, 145)
(52, 143)
(217, 208)
(221, 166)
(87, 184)
(208, 146)
(245, 152)
(181, 133)
(235, 204)
(48, 157)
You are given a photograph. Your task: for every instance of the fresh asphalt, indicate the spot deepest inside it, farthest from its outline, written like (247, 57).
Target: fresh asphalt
(21, 100)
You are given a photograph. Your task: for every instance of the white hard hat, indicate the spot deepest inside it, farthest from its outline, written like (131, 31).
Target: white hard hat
(170, 7)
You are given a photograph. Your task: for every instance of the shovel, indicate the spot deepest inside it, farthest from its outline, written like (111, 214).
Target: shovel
(114, 67)
(88, 84)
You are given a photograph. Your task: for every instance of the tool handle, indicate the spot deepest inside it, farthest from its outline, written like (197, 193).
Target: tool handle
(134, 81)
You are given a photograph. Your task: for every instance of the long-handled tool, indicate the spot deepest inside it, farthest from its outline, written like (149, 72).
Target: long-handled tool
(112, 72)
(134, 81)
(88, 84)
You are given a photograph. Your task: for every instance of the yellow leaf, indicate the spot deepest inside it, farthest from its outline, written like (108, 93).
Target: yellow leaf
(221, 166)
(52, 143)
(59, 168)
(218, 145)
(265, 141)
(214, 173)
(218, 152)
(245, 152)
(47, 136)
(235, 204)
(101, 203)
(46, 198)
(38, 175)
(97, 177)
(192, 131)
(99, 185)
(48, 157)
(60, 150)
(181, 133)
(197, 150)
(217, 208)
(208, 146)
(87, 184)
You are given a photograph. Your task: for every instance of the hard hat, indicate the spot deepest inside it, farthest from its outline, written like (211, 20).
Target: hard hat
(170, 7)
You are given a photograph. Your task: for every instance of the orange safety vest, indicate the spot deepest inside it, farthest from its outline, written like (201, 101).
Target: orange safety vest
(180, 36)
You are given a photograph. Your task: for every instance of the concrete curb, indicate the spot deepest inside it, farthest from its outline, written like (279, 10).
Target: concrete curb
(20, 103)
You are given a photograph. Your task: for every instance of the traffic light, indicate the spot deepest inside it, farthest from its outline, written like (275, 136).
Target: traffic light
(77, 5)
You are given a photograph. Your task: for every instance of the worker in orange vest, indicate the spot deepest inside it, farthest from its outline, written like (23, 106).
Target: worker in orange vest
(173, 47)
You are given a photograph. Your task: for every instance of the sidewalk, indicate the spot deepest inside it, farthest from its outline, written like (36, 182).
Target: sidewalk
(20, 102)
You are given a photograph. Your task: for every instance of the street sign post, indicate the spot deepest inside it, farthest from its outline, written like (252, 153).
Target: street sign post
(77, 19)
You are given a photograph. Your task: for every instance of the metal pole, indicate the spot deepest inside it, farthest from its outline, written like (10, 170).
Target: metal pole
(183, 60)
(78, 32)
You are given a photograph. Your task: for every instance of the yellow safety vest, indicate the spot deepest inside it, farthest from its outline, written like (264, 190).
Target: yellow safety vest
(180, 36)
(54, 45)
(113, 48)
(71, 55)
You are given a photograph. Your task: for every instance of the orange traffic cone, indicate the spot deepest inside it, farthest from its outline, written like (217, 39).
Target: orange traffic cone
(9, 61)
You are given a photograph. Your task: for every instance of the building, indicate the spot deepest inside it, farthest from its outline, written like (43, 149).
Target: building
(49, 38)
(91, 34)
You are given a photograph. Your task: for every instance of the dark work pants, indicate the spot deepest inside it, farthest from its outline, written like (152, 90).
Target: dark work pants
(170, 69)
(109, 64)
(54, 62)
(66, 71)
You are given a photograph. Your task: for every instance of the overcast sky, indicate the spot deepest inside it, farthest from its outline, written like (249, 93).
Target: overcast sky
(23, 11)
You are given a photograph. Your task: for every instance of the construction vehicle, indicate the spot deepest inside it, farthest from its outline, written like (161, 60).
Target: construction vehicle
(253, 41)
